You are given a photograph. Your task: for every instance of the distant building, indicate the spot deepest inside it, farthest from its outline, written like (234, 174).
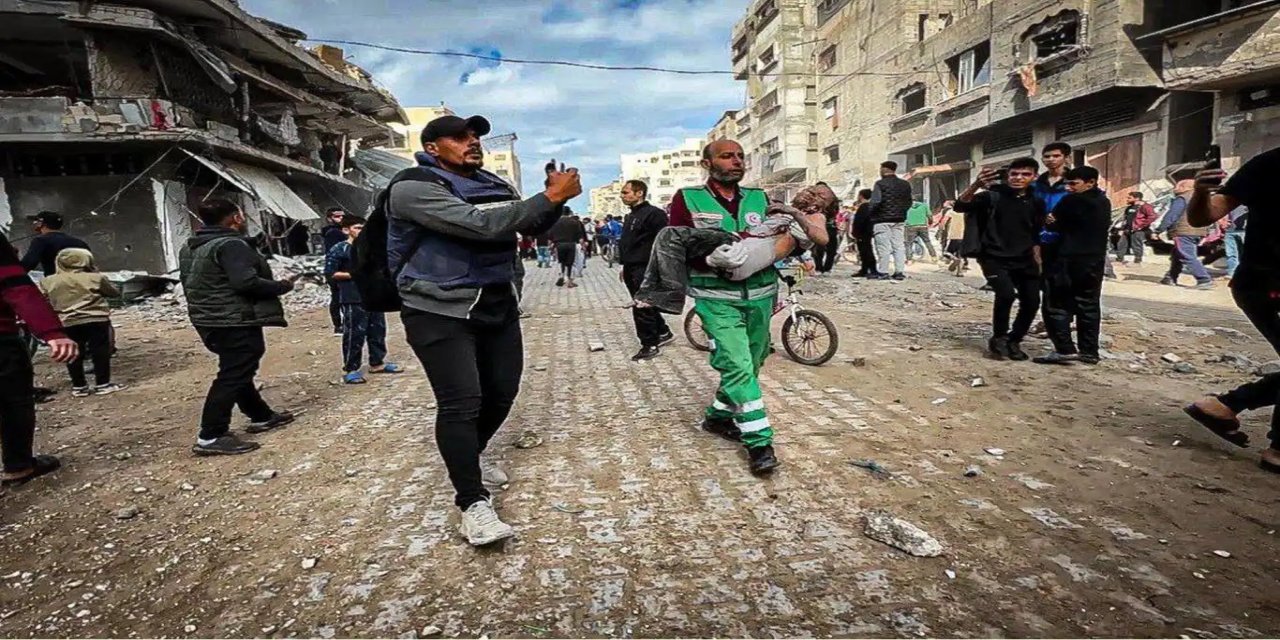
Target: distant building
(606, 200)
(500, 157)
(412, 132)
(666, 171)
(726, 128)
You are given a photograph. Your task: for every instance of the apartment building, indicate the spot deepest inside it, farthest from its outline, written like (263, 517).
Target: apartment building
(500, 157)
(666, 171)
(726, 128)
(772, 51)
(606, 200)
(412, 130)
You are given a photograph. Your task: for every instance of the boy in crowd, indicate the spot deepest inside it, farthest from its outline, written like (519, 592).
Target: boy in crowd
(1002, 229)
(358, 325)
(1081, 220)
(79, 294)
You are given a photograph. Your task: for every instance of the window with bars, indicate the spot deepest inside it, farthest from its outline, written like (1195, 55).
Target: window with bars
(1052, 36)
(766, 59)
(1004, 140)
(1099, 117)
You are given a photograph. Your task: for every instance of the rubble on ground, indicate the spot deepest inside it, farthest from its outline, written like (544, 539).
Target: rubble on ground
(309, 290)
(884, 527)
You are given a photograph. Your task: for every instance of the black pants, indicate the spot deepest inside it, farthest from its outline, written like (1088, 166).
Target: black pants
(94, 340)
(17, 404)
(335, 307)
(239, 351)
(1014, 280)
(1262, 307)
(474, 370)
(1074, 291)
(566, 255)
(867, 256)
(825, 257)
(650, 327)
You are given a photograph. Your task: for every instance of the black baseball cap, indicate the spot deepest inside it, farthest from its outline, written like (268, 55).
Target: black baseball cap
(448, 126)
(48, 219)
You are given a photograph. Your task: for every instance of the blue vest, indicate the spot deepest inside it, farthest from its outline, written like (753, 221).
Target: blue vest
(447, 261)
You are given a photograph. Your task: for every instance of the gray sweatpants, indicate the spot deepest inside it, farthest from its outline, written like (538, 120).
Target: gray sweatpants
(890, 240)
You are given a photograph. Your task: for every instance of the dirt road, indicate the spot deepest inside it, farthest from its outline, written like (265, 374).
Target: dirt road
(1102, 517)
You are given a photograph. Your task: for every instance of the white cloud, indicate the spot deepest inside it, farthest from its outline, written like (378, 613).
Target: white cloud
(584, 117)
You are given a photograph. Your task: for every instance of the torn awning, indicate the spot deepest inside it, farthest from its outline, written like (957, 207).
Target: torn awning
(262, 185)
(951, 167)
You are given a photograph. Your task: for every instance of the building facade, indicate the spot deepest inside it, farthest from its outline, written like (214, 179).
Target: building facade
(666, 171)
(606, 200)
(124, 117)
(500, 157)
(411, 131)
(772, 51)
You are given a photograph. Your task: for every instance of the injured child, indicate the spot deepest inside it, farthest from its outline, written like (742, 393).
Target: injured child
(735, 256)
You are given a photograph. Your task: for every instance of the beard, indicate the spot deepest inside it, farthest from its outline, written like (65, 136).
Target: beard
(726, 177)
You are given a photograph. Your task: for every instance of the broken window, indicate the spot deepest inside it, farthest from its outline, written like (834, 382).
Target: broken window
(912, 98)
(827, 59)
(831, 111)
(928, 25)
(765, 60)
(769, 148)
(768, 103)
(740, 48)
(1055, 35)
(970, 69)
(766, 13)
(40, 60)
(832, 153)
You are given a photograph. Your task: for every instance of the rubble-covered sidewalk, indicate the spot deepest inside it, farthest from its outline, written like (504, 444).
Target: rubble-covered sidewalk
(925, 491)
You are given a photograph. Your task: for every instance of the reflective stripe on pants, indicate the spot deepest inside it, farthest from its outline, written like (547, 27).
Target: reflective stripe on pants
(740, 332)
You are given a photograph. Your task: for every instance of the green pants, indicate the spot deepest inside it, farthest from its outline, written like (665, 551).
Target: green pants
(739, 330)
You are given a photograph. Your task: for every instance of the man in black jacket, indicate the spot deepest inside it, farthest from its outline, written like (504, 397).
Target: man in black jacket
(43, 250)
(1082, 220)
(890, 200)
(332, 234)
(864, 232)
(638, 233)
(231, 297)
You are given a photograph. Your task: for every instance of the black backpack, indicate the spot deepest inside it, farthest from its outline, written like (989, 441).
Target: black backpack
(370, 272)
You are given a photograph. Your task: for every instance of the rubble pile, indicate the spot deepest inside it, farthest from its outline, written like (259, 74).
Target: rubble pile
(309, 292)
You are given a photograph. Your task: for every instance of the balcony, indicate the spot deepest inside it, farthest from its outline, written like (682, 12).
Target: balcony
(1226, 50)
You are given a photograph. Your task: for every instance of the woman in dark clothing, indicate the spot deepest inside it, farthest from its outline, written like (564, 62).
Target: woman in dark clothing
(566, 235)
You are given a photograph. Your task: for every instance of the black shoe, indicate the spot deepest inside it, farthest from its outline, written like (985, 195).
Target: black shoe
(1168, 282)
(276, 421)
(723, 427)
(560, 282)
(899, 276)
(666, 339)
(227, 445)
(998, 348)
(1016, 353)
(1054, 357)
(1089, 358)
(763, 460)
(878, 276)
(646, 353)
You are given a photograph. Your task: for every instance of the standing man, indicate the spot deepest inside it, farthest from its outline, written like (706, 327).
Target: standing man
(567, 235)
(43, 250)
(1255, 287)
(1135, 226)
(1185, 238)
(825, 256)
(359, 326)
(890, 199)
(735, 314)
(589, 228)
(1004, 223)
(21, 300)
(638, 232)
(864, 232)
(452, 238)
(331, 234)
(1082, 221)
(231, 297)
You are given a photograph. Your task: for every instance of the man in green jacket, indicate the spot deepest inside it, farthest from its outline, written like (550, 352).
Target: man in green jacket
(918, 232)
(231, 296)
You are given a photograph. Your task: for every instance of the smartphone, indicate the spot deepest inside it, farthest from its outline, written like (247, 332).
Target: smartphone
(1213, 160)
(1002, 175)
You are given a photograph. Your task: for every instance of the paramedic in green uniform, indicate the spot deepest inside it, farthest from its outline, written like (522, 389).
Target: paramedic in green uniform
(736, 315)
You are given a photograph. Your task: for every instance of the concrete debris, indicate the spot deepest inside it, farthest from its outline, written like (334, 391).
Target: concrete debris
(528, 440)
(858, 362)
(187, 486)
(309, 291)
(123, 455)
(127, 513)
(263, 475)
(874, 467)
(1184, 367)
(994, 451)
(309, 563)
(978, 382)
(1234, 334)
(431, 630)
(973, 471)
(1233, 359)
(1222, 554)
(595, 346)
(1171, 358)
(939, 401)
(884, 527)
(1270, 368)
(951, 574)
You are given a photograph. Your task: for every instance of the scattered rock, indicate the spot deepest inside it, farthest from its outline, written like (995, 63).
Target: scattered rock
(191, 628)
(187, 486)
(1171, 358)
(939, 401)
(915, 347)
(123, 455)
(139, 489)
(1184, 367)
(977, 382)
(595, 346)
(540, 367)
(973, 471)
(1234, 334)
(431, 630)
(1233, 359)
(264, 475)
(874, 467)
(528, 440)
(951, 574)
(128, 513)
(309, 563)
(1269, 368)
(900, 534)
(351, 473)
(858, 362)
(1222, 554)
(994, 451)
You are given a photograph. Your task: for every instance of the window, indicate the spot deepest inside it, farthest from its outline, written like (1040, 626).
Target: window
(740, 48)
(831, 111)
(766, 13)
(768, 103)
(664, 182)
(929, 25)
(766, 60)
(769, 148)
(827, 59)
(828, 8)
(970, 69)
(810, 94)
(813, 140)
(1054, 35)
(832, 153)
(912, 98)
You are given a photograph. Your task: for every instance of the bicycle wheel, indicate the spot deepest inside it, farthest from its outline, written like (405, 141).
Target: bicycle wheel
(694, 332)
(810, 338)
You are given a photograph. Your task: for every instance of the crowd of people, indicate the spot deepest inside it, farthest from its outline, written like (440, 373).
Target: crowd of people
(444, 246)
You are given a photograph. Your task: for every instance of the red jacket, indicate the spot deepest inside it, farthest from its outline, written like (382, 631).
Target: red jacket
(1146, 215)
(20, 298)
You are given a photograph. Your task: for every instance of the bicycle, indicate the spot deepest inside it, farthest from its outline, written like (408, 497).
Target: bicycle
(804, 332)
(611, 253)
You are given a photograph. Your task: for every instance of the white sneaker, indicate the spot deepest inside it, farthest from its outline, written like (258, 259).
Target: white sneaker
(492, 475)
(108, 389)
(480, 525)
(81, 392)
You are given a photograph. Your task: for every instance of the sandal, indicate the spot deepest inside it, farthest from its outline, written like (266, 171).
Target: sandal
(41, 465)
(1228, 430)
(355, 377)
(389, 367)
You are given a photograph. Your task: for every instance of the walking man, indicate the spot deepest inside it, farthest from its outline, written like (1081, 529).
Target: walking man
(50, 240)
(1185, 237)
(332, 234)
(1082, 221)
(735, 314)
(567, 236)
(1135, 227)
(1255, 287)
(359, 327)
(638, 232)
(917, 238)
(1004, 223)
(825, 256)
(452, 238)
(21, 300)
(890, 199)
(864, 232)
(231, 297)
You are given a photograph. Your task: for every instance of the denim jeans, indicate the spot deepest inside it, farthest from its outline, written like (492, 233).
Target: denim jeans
(890, 239)
(1184, 256)
(360, 327)
(1234, 243)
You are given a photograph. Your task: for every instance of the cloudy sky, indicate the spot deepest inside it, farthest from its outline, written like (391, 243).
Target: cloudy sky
(583, 117)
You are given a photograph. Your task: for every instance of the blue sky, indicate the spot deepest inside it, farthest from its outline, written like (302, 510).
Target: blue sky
(584, 117)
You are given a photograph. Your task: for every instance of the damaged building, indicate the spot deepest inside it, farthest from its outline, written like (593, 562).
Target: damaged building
(124, 116)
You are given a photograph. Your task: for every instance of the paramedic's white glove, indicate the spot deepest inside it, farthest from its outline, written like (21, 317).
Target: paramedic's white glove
(727, 257)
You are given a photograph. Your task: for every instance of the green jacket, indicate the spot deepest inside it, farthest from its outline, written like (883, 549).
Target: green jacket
(918, 215)
(709, 214)
(227, 283)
